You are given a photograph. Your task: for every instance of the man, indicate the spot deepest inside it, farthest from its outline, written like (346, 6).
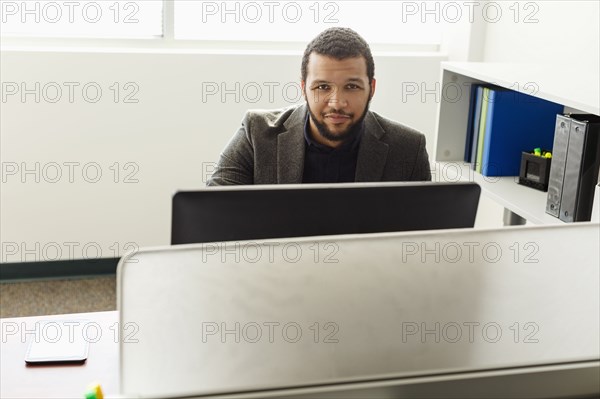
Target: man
(332, 138)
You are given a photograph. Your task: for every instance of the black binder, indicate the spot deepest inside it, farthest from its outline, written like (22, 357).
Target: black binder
(580, 169)
(559, 161)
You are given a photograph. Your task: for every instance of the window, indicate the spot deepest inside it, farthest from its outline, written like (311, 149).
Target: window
(300, 21)
(100, 19)
(379, 22)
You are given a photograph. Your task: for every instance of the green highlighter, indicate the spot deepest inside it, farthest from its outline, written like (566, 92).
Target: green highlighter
(94, 391)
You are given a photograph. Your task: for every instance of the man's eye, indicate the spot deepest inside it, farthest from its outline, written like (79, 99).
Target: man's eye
(323, 87)
(353, 86)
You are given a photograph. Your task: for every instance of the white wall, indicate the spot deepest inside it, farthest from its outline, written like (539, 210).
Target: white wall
(171, 133)
(559, 32)
(165, 139)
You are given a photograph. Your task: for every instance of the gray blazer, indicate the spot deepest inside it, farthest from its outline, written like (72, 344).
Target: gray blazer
(269, 149)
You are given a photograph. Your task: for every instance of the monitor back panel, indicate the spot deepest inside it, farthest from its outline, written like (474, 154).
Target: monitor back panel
(258, 212)
(243, 316)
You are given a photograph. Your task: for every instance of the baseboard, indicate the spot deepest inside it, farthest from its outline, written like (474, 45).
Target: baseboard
(11, 272)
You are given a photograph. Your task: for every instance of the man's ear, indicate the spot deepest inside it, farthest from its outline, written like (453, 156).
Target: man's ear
(373, 84)
(303, 87)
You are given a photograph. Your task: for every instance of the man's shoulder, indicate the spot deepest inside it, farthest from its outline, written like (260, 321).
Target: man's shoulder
(396, 130)
(273, 117)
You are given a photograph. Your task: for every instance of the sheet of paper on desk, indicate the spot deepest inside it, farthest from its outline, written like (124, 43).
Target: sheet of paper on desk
(58, 342)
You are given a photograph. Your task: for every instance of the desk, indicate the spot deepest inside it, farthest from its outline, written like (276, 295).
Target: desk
(18, 380)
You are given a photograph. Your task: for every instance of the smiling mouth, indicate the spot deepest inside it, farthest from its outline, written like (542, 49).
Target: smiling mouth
(338, 118)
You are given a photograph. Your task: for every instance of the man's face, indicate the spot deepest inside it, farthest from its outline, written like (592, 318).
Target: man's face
(337, 94)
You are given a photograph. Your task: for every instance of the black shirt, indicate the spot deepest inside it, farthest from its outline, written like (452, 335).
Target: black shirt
(323, 164)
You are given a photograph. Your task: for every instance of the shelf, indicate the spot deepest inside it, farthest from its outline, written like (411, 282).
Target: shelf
(562, 84)
(524, 201)
(578, 93)
(574, 88)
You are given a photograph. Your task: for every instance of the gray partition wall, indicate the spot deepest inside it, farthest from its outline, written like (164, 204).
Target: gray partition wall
(512, 312)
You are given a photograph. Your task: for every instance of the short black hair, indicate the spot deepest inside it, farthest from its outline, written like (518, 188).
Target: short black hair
(339, 43)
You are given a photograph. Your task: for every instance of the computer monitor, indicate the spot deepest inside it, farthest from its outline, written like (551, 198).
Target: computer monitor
(278, 211)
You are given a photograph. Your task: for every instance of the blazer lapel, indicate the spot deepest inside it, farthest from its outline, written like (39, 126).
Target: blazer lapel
(290, 149)
(372, 153)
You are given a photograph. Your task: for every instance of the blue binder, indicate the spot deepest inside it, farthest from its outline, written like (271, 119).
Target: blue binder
(516, 122)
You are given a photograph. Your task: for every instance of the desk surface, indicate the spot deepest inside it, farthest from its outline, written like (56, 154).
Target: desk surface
(59, 381)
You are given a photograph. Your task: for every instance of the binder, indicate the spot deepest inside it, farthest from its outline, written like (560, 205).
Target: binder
(559, 161)
(484, 121)
(581, 169)
(515, 123)
(473, 111)
(476, 121)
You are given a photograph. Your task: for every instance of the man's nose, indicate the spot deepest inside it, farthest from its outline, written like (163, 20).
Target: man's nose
(337, 99)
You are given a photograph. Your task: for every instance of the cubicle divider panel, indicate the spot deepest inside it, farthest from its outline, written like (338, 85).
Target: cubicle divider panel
(246, 316)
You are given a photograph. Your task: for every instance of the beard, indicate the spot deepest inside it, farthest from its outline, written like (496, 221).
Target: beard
(347, 135)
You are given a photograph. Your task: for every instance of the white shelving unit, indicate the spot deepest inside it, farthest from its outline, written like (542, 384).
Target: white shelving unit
(576, 90)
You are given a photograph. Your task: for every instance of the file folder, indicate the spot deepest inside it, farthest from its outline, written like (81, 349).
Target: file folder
(581, 168)
(559, 161)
